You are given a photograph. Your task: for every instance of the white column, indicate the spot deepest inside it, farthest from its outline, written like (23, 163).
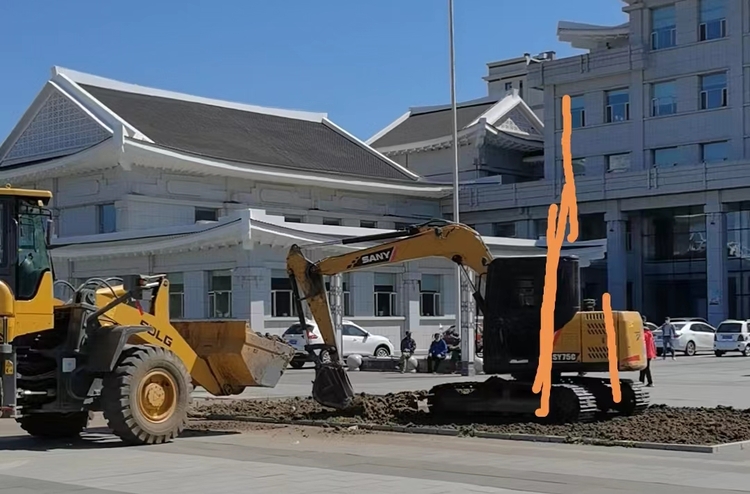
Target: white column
(468, 314)
(260, 297)
(617, 261)
(411, 302)
(337, 310)
(196, 294)
(241, 280)
(716, 265)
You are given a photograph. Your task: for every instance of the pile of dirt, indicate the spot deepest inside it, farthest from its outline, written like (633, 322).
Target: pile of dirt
(659, 423)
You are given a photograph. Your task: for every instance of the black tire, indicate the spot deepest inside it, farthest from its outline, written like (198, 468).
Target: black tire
(122, 395)
(746, 351)
(718, 353)
(690, 349)
(297, 364)
(54, 425)
(382, 351)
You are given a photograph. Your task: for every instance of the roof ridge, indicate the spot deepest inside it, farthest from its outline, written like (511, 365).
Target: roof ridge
(420, 110)
(85, 79)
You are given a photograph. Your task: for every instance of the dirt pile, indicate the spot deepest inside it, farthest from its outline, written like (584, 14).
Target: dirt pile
(659, 423)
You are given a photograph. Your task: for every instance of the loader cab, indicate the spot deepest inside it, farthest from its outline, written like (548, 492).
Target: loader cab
(514, 290)
(24, 257)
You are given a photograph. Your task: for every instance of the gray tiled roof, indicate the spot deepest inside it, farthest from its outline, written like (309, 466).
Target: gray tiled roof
(431, 125)
(245, 137)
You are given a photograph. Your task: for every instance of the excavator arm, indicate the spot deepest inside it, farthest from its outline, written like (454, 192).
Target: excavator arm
(453, 241)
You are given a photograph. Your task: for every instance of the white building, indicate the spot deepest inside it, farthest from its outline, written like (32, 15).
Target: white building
(214, 193)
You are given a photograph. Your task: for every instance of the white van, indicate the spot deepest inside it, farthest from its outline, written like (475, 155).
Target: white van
(732, 336)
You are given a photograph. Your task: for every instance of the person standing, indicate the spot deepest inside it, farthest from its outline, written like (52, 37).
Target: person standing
(667, 337)
(408, 347)
(648, 338)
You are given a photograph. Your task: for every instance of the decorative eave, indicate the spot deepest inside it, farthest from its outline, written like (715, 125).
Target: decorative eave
(590, 36)
(466, 137)
(252, 227)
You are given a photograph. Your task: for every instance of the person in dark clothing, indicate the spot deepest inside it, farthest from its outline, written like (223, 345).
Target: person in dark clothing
(437, 353)
(667, 337)
(453, 342)
(408, 347)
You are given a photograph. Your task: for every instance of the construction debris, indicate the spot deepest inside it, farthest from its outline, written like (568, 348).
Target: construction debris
(658, 424)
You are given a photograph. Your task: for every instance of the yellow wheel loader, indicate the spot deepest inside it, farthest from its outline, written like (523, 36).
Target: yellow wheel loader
(101, 351)
(509, 294)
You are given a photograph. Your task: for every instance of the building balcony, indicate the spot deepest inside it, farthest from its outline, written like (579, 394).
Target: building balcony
(598, 63)
(621, 185)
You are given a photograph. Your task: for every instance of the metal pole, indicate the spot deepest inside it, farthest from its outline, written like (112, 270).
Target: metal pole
(467, 365)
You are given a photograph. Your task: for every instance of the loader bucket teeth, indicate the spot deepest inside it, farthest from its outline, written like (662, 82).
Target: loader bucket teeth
(332, 387)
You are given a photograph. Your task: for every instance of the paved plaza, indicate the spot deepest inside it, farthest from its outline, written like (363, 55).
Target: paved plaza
(294, 459)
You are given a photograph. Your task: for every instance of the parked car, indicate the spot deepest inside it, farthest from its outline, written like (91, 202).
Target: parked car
(692, 335)
(732, 336)
(356, 340)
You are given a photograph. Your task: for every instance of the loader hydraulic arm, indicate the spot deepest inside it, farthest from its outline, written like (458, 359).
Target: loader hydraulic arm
(453, 241)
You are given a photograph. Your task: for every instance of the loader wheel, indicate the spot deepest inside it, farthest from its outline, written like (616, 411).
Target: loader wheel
(146, 398)
(54, 425)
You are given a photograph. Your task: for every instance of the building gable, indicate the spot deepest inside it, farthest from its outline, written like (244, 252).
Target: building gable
(517, 122)
(60, 127)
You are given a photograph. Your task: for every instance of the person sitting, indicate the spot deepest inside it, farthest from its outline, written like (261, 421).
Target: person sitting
(436, 354)
(408, 347)
(453, 342)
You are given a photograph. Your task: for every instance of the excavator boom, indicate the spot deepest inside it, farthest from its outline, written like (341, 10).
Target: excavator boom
(453, 241)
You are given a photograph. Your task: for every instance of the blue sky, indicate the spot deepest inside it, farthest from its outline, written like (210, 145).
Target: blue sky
(362, 61)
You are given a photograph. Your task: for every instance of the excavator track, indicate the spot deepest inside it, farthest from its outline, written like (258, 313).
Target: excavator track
(569, 402)
(635, 398)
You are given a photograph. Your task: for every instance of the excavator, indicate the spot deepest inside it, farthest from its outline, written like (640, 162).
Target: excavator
(508, 292)
(100, 351)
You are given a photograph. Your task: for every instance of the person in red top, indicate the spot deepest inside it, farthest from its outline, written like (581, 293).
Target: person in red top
(648, 339)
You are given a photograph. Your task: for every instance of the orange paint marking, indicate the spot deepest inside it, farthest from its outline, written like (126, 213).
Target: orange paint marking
(557, 221)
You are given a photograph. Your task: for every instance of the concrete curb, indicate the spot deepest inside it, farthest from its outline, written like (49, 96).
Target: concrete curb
(690, 448)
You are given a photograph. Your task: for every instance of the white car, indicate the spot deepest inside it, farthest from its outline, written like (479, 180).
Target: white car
(692, 335)
(732, 336)
(356, 341)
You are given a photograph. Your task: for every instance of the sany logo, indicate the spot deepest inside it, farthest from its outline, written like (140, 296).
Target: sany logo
(375, 257)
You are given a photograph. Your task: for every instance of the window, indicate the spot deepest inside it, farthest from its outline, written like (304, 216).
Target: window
(712, 152)
(577, 112)
(176, 296)
(220, 294)
(508, 86)
(402, 226)
(618, 106)
(346, 295)
(206, 214)
(385, 294)
(292, 219)
(429, 295)
(33, 259)
(713, 20)
(579, 166)
(282, 301)
(368, 224)
(107, 218)
(663, 99)
(618, 162)
(507, 229)
(351, 330)
(520, 89)
(667, 156)
(663, 32)
(713, 91)
(332, 221)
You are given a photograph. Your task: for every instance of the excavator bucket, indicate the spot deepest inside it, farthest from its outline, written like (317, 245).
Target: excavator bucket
(332, 387)
(237, 356)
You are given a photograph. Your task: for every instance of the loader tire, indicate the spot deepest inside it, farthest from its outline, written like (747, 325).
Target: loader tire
(145, 399)
(54, 425)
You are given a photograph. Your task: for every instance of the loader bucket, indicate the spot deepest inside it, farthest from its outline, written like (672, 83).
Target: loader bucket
(237, 356)
(332, 387)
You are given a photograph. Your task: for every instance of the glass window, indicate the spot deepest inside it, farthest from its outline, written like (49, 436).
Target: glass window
(220, 294)
(206, 214)
(579, 166)
(107, 218)
(713, 152)
(618, 106)
(667, 157)
(663, 32)
(713, 91)
(507, 229)
(33, 259)
(368, 224)
(429, 292)
(292, 219)
(176, 295)
(618, 162)
(282, 295)
(385, 294)
(663, 98)
(402, 226)
(332, 221)
(578, 112)
(508, 86)
(713, 19)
